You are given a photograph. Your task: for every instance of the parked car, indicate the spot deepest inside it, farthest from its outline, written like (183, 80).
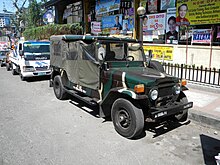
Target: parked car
(3, 57)
(115, 74)
(30, 59)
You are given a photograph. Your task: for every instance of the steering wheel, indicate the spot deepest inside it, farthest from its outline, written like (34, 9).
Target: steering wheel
(132, 58)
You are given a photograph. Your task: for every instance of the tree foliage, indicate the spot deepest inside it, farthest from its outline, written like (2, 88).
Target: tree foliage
(44, 32)
(34, 14)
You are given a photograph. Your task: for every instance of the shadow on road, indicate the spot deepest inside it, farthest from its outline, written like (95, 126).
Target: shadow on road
(210, 149)
(162, 128)
(92, 110)
(40, 78)
(157, 128)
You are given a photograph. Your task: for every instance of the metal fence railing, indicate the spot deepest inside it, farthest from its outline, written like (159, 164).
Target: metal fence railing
(192, 73)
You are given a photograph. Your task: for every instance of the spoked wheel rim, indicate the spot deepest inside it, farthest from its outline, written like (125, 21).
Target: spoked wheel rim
(123, 119)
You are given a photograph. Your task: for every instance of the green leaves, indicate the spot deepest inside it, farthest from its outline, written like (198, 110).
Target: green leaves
(44, 32)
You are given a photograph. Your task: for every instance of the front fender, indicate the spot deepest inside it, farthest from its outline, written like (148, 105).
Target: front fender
(113, 94)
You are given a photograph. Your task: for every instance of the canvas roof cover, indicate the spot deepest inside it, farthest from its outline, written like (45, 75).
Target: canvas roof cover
(78, 60)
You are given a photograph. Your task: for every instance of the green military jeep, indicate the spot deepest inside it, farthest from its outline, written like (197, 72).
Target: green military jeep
(115, 74)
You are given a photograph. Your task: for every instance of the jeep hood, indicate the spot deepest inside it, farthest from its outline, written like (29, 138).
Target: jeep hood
(141, 75)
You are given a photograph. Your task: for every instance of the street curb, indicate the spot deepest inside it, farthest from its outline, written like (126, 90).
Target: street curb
(204, 119)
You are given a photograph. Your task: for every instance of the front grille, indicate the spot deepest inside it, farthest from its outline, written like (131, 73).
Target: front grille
(165, 91)
(41, 68)
(166, 94)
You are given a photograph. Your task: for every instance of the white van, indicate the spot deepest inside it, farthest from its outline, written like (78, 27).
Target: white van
(30, 59)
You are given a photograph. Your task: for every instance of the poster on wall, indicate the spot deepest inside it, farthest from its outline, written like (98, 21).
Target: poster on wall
(171, 28)
(201, 36)
(112, 24)
(125, 25)
(151, 35)
(3, 45)
(156, 21)
(152, 6)
(160, 52)
(165, 4)
(96, 27)
(48, 17)
(104, 6)
(131, 23)
(198, 12)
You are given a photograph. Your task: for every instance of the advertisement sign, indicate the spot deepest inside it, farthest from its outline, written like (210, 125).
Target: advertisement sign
(156, 21)
(152, 6)
(160, 52)
(48, 17)
(96, 27)
(104, 6)
(199, 11)
(202, 36)
(3, 45)
(171, 28)
(125, 25)
(112, 21)
(165, 4)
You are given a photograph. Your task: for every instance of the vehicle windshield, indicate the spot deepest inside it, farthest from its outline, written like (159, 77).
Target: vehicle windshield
(119, 51)
(36, 48)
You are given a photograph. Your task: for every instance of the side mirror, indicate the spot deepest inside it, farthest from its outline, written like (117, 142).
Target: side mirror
(101, 53)
(149, 56)
(21, 52)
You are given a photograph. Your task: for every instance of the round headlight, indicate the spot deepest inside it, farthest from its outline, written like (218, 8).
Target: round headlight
(177, 89)
(154, 94)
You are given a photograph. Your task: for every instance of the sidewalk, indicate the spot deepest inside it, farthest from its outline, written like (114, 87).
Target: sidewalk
(206, 100)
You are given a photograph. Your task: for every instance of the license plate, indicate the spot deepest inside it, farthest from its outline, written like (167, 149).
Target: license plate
(41, 73)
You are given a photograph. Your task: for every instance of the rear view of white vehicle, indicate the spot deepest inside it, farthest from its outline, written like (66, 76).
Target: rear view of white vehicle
(31, 58)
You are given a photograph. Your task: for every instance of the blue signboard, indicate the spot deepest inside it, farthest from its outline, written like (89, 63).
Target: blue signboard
(201, 36)
(112, 21)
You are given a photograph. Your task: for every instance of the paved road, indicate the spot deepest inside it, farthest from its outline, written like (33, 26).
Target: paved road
(38, 129)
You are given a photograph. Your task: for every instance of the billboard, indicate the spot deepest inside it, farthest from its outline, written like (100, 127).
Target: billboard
(165, 4)
(3, 45)
(152, 6)
(96, 27)
(160, 52)
(48, 17)
(202, 36)
(199, 11)
(112, 21)
(156, 21)
(171, 28)
(104, 6)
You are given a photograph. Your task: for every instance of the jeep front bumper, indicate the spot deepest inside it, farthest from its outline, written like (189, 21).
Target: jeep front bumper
(168, 110)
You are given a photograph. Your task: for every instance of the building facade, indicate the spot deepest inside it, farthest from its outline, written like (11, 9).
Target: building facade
(173, 29)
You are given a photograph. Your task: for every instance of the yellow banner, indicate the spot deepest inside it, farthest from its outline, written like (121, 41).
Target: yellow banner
(160, 52)
(200, 11)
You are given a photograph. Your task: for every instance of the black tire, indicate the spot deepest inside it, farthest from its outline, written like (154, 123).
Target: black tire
(13, 71)
(1, 63)
(184, 115)
(8, 68)
(156, 65)
(23, 78)
(58, 88)
(128, 120)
